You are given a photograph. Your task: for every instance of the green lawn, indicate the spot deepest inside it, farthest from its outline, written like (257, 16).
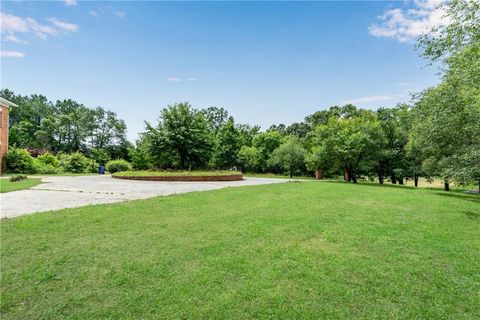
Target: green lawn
(175, 173)
(310, 250)
(7, 186)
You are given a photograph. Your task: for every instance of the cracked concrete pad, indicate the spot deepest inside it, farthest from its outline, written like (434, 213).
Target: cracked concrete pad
(69, 192)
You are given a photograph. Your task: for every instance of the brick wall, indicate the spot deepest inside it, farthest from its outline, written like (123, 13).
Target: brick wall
(3, 136)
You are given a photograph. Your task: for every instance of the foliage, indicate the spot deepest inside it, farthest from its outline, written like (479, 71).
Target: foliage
(140, 154)
(77, 163)
(352, 143)
(266, 143)
(100, 155)
(19, 160)
(181, 139)
(18, 177)
(249, 159)
(227, 146)
(118, 165)
(290, 156)
(65, 126)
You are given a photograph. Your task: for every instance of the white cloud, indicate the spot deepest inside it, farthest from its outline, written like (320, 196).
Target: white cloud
(9, 22)
(120, 14)
(11, 25)
(94, 13)
(371, 99)
(190, 79)
(70, 3)
(66, 26)
(174, 79)
(10, 37)
(11, 54)
(406, 25)
(402, 84)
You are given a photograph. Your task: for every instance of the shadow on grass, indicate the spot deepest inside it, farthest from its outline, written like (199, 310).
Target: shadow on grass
(460, 195)
(472, 215)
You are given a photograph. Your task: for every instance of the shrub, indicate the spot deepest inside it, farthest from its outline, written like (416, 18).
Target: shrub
(48, 159)
(20, 160)
(118, 165)
(76, 163)
(18, 177)
(46, 168)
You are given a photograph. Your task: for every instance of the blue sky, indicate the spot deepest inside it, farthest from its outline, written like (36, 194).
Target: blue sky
(265, 62)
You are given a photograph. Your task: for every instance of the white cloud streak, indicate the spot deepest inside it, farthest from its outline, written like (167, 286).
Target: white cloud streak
(66, 26)
(405, 25)
(371, 99)
(11, 54)
(10, 25)
(70, 3)
(120, 14)
(174, 79)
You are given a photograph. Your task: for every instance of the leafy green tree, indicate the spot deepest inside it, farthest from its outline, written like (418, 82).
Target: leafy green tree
(289, 156)
(249, 159)
(181, 139)
(140, 154)
(227, 146)
(318, 159)
(265, 143)
(351, 144)
(447, 126)
(215, 118)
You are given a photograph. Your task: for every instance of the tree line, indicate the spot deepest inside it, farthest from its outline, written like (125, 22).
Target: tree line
(436, 135)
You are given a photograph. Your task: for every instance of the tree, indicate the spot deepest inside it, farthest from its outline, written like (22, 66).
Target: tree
(290, 156)
(216, 118)
(249, 158)
(351, 144)
(318, 160)
(181, 138)
(265, 143)
(227, 146)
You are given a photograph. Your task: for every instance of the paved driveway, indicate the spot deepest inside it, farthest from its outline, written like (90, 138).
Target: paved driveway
(69, 192)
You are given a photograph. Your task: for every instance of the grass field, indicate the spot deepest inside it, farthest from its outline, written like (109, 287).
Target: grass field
(310, 250)
(7, 186)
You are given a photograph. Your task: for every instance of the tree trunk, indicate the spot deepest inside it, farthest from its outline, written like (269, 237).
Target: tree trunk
(319, 174)
(346, 175)
(446, 185)
(354, 179)
(394, 179)
(415, 178)
(291, 173)
(380, 178)
(400, 181)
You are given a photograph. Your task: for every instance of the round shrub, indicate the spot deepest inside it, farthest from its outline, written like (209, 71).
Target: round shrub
(76, 163)
(118, 165)
(48, 159)
(20, 160)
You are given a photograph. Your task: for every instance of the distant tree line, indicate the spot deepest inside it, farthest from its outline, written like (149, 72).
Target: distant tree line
(437, 135)
(65, 126)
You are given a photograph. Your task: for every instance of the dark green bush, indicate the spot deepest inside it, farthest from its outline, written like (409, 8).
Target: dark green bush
(18, 177)
(20, 160)
(76, 163)
(118, 165)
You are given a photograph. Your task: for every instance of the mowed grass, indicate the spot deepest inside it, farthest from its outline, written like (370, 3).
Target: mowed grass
(7, 186)
(310, 250)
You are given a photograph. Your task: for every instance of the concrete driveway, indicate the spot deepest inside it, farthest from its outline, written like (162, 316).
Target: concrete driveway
(68, 192)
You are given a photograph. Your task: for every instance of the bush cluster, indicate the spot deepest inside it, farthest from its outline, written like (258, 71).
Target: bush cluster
(21, 161)
(118, 165)
(18, 177)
